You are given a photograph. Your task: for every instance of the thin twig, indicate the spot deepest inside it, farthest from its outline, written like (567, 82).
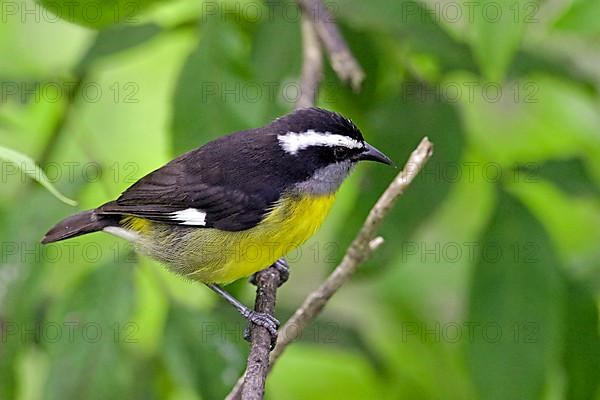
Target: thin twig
(341, 58)
(365, 243)
(312, 67)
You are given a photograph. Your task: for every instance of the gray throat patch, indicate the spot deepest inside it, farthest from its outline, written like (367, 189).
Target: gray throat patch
(326, 180)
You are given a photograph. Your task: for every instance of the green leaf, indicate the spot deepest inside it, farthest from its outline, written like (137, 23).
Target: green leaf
(582, 349)
(31, 169)
(410, 23)
(54, 44)
(12, 346)
(23, 300)
(516, 307)
(575, 237)
(89, 329)
(430, 272)
(581, 17)
(277, 39)
(531, 119)
(202, 352)
(98, 14)
(211, 97)
(496, 31)
(309, 372)
(570, 175)
(115, 39)
(396, 127)
(529, 61)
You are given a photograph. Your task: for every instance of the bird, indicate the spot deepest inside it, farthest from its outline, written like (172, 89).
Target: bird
(237, 204)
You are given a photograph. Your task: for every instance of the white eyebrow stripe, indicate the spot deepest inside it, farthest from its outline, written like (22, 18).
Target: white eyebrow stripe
(292, 142)
(190, 216)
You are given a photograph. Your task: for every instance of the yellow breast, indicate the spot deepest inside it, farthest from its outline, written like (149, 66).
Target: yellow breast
(215, 256)
(288, 226)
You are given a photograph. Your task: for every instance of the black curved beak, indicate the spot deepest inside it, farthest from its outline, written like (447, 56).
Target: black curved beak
(371, 153)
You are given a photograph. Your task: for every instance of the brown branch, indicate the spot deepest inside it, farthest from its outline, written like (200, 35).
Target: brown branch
(255, 376)
(312, 66)
(363, 246)
(341, 58)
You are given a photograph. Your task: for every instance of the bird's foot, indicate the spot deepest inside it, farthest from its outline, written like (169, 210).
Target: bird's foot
(267, 321)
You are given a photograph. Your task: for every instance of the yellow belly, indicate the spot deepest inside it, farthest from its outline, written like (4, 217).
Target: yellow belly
(214, 256)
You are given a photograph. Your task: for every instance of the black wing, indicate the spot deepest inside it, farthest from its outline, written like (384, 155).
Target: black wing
(210, 187)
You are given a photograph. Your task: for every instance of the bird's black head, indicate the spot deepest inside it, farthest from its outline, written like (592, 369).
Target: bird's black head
(319, 120)
(324, 145)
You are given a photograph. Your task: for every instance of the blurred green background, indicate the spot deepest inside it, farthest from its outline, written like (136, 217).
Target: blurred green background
(486, 287)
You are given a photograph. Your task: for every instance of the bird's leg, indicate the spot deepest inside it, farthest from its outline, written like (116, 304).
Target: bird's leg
(265, 320)
(282, 267)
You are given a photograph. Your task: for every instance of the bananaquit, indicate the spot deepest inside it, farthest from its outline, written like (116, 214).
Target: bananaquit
(237, 204)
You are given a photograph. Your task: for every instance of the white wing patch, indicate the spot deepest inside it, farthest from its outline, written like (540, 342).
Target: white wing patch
(190, 216)
(292, 142)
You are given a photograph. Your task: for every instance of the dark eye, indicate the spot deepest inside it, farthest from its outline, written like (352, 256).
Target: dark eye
(340, 153)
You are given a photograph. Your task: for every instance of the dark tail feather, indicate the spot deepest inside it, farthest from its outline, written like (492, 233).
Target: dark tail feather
(75, 225)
